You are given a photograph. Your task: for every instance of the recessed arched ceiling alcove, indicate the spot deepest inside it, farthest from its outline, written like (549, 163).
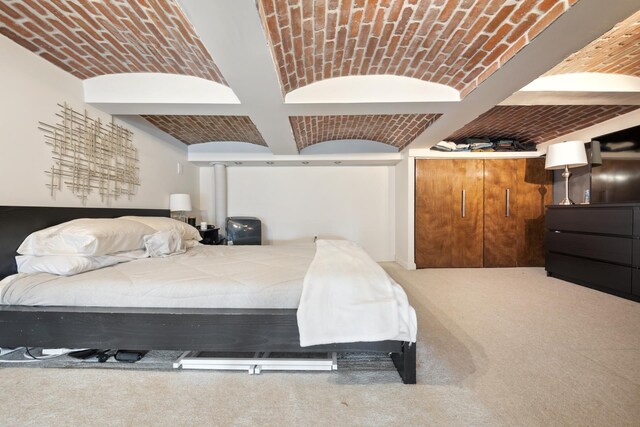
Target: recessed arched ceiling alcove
(397, 130)
(202, 129)
(616, 52)
(605, 71)
(94, 38)
(537, 123)
(457, 43)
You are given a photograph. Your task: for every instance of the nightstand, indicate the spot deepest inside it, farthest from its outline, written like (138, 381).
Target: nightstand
(210, 236)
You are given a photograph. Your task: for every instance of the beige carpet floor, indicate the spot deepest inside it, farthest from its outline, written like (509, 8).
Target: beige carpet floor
(496, 347)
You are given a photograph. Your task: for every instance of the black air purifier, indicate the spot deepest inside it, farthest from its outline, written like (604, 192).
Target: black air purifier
(244, 230)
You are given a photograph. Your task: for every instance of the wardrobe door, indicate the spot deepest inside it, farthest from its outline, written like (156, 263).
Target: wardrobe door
(500, 212)
(433, 221)
(448, 213)
(467, 211)
(534, 191)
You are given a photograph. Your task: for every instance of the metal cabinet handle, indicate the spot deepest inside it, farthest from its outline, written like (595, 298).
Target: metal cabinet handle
(464, 203)
(507, 212)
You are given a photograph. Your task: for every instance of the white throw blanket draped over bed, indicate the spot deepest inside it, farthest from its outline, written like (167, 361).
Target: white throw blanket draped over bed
(348, 297)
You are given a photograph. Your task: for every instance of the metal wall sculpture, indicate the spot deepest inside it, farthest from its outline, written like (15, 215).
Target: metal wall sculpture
(88, 156)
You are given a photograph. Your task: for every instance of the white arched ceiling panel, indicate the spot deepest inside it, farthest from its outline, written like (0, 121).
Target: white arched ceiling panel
(374, 88)
(584, 82)
(349, 146)
(156, 88)
(226, 147)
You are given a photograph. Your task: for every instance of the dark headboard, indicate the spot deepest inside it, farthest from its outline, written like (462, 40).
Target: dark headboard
(17, 222)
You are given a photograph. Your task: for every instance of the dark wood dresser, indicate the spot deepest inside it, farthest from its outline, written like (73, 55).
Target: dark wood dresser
(596, 246)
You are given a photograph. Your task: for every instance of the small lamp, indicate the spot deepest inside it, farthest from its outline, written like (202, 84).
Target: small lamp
(180, 203)
(566, 155)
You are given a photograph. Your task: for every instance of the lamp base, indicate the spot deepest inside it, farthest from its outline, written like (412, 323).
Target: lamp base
(566, 174)
(566, 201)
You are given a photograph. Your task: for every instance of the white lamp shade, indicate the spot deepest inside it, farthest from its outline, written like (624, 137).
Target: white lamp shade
(571, 154)
(180, 202)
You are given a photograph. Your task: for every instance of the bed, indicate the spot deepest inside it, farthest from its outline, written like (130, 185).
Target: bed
(149, 328)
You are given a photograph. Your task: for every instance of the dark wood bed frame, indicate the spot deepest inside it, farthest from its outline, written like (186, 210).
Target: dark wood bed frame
(197, 329)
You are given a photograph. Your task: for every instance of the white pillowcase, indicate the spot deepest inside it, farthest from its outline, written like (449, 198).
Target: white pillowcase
(68, 265)
(160, 223)
(87, 236)
(191, 244)
(163, 243)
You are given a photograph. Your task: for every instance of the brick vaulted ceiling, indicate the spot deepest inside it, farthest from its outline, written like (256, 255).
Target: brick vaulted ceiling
(200, 129)
(537, 123)
(617, 51)
(458, 43)
(397, 129)
(94, 38)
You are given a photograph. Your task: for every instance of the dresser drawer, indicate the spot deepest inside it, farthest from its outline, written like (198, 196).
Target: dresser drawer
(603, 248)
(594, 273)
(617, 221)
(635, 286)
(636, 253)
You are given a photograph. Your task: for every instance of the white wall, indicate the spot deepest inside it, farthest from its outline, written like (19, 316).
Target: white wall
(404, 207)
(295, 203)
(30, 88)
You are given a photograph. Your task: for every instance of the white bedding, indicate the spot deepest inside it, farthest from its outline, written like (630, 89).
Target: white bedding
(347, 297)
(204, 277)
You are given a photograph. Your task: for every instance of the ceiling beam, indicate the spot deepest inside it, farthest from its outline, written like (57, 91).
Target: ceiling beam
(582, 23)
(232, 33)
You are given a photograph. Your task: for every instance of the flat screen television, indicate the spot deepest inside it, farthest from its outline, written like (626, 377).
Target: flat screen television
(617, 180)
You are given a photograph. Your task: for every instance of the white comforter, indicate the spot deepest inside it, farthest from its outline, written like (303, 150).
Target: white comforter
(347, 297)
(203, 277)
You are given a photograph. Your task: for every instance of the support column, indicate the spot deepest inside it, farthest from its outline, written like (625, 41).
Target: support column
(220, 195)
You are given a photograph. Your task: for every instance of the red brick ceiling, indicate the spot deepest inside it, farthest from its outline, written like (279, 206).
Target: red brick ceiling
(537, 123)
(397, 129)
(617, 51)
(453, 42)
(93, 38)
(199, 129)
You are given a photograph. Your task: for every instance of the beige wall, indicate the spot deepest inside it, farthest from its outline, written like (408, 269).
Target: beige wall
(296, 203)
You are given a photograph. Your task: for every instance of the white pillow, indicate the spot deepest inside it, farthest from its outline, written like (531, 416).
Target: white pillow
(160, 223)
(87, 236)
(164, 243)
(191, 244)
(68, 265)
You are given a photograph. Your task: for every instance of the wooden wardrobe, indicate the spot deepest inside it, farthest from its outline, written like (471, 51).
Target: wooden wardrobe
(480, 213)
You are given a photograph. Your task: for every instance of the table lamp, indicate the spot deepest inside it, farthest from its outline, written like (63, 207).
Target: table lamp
(565, 155)
(180, 203)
